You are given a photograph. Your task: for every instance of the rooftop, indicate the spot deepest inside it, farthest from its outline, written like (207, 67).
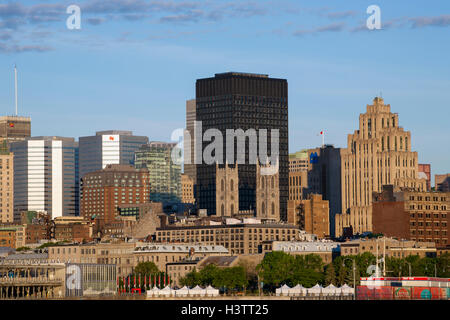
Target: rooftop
(304, 246)
(114, 132)
(241, 74)
(181, 248)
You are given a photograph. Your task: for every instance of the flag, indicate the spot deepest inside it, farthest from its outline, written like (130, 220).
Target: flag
(168, 280)
(139, 280)
(164, 280)
(134, 285)
(129, 284)
(145, 282)
(159, 280)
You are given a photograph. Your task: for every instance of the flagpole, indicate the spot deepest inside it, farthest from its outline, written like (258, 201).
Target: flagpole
(323, 139)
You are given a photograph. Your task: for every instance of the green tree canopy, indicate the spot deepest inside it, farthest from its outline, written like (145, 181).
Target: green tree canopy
(146, 268)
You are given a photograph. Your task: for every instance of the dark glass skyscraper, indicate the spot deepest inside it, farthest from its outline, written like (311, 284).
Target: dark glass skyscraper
(242, 101)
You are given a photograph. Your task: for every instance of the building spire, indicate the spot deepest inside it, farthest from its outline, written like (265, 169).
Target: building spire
(15, 87)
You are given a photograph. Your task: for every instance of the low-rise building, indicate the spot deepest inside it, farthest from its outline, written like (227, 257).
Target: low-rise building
(161, 254)
(327, 250)
(393, 247)
(238, 236)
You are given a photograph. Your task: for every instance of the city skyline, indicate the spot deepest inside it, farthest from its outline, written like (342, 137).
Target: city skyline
(125, 69)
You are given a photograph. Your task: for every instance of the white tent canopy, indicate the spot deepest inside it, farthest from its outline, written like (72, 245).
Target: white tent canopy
(197, 291)
(298, 289)
(167, 291)
(283, 290)
(212, 292)
(331, 289)
(182, 292)
(154, 292)
(317, 289)
(345, 289)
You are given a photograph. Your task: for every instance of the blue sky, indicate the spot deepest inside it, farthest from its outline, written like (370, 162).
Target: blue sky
(134, 63)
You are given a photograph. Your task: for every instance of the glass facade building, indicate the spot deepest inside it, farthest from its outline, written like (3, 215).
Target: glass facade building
(164, 173)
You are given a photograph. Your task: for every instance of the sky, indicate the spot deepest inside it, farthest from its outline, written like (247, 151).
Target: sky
(133, 64)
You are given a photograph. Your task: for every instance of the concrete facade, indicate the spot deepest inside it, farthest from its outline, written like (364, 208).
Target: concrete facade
(378, 153)
(6, 187)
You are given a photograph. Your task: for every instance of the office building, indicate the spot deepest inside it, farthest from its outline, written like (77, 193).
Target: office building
(14, 128)
(233, 101)
(189, 144)
(46, 176)
(413, 215)
(108, 147)
(6, 186)
(324, 177)
(298, 174)
(104, 191)
(164, 173)
(377, 154)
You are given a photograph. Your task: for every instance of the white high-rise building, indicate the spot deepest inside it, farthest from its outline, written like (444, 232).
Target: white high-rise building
(108, 147)
(46, 176)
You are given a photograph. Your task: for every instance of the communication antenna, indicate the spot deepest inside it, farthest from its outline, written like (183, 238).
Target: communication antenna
(15, 87)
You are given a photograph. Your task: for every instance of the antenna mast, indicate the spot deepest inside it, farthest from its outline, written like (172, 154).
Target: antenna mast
(15, 86)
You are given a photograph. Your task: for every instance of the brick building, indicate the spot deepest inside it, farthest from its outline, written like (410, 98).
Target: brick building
(76, 229)
(412, 215)
(103, 191)
(8, 237)
(187, 189)
(311, 215)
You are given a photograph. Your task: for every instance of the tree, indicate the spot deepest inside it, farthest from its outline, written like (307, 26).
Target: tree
(342, 274)
(276, 267)
(146, 268)
(191, 279)
(330, 275)
(208, 274)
